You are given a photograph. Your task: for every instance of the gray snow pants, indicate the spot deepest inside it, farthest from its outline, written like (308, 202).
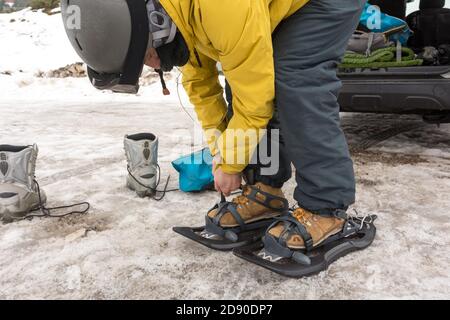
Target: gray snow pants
(307, 49)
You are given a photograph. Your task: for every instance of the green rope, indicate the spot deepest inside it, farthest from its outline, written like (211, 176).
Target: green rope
(381, 58)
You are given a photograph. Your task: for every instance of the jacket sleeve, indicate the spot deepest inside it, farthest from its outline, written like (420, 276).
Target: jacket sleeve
(206, 94)
(246, 54)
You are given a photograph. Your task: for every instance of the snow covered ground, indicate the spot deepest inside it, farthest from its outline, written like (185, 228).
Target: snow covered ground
(129, 250)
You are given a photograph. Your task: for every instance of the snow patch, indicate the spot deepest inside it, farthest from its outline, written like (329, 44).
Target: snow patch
(40, 42)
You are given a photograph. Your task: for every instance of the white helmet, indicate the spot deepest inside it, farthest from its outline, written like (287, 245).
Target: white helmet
(112, 38)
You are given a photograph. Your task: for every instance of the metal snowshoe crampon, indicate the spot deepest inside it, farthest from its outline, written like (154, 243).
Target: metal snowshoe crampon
(274, 254)
(215, 236)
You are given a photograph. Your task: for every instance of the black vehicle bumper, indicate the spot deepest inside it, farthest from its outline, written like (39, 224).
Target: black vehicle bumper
(418, 90)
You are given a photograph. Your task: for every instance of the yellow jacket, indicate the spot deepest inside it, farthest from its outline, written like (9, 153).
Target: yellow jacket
(238, 34)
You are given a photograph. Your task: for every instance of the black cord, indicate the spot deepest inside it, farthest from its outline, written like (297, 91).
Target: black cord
(179, 99)
(46, 212)
(154, 190)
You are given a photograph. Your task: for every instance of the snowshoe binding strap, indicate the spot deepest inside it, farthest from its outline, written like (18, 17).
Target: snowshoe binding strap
(279, 249)
(291, 226)
(212, 225)
(268, 201)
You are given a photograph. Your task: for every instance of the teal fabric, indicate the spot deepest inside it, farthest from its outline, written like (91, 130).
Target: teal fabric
(388, 23)
(195, 171)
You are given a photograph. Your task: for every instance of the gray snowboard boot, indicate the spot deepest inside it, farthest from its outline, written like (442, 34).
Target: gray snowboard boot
(141, 151)
(18, 190)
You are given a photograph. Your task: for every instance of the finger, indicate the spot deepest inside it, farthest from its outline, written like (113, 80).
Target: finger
(230, 188)
(226, 192)
(237, 185)
(233, 185)
(215, 181)
(217, 186)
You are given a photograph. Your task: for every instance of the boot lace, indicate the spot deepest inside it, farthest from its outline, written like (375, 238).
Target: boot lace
(301, 215)
(242, 198)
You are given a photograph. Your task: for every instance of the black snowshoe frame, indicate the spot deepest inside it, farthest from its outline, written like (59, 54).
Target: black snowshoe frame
(272, 253)
(216, 237)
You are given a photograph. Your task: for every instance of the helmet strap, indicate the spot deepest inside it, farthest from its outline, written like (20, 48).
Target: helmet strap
(162, 28)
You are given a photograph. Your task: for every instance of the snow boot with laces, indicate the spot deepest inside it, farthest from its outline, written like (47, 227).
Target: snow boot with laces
(141, 151)
(19, 193)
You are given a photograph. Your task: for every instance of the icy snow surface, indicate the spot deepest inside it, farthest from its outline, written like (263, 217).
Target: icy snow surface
(129, 250)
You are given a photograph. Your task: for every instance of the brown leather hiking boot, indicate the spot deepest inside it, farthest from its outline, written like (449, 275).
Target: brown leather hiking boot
(251, 211)
(320, 228)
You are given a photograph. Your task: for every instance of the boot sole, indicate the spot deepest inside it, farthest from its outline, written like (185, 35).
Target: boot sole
(22, 208)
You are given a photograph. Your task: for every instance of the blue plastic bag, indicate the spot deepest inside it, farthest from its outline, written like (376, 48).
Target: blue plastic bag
(195, 171)
(376, 21)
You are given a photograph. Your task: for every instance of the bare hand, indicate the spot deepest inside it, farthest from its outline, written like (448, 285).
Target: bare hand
(226, 183)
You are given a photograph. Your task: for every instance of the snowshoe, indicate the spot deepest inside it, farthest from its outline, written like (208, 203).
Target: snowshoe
(272, 253)
(219, 236)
